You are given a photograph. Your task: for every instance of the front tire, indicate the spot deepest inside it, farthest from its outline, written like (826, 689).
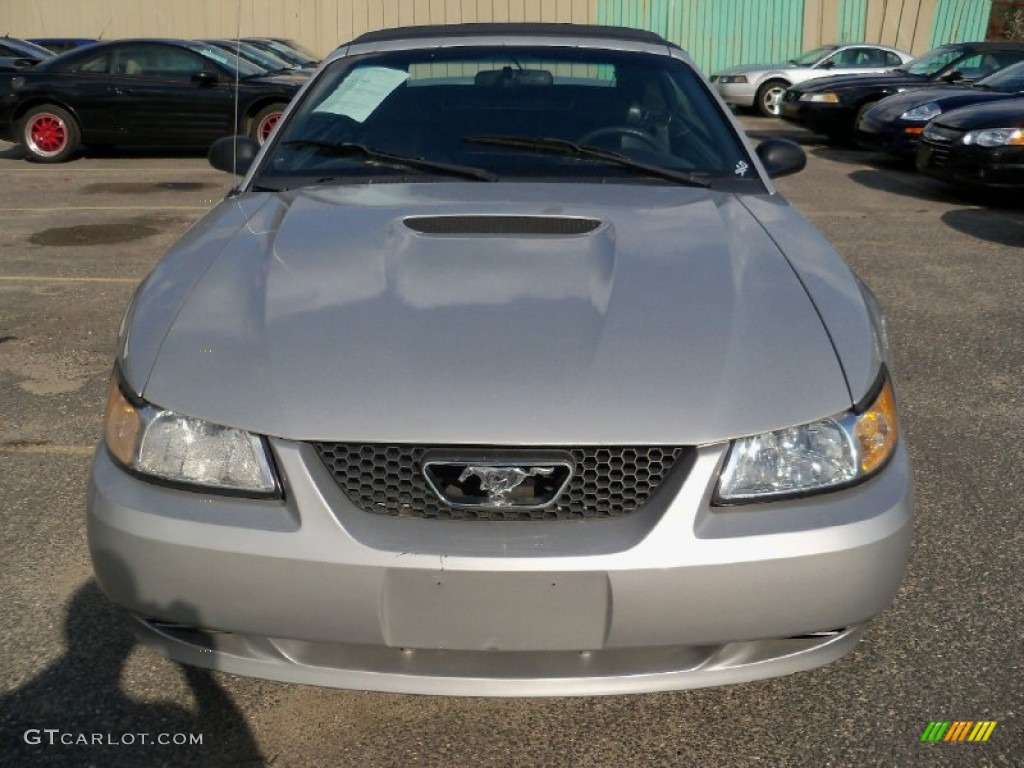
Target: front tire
(49, 134)
(261, 126)
(768, 97)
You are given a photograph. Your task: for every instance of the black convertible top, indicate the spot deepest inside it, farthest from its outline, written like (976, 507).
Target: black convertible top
(528, 28)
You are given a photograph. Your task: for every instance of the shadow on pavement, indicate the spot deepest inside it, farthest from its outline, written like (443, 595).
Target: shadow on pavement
(986, 225)
(80, 696)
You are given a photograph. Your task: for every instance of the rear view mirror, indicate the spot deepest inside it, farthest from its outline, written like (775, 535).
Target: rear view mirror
(513, 78)
(233, 154)
(781, 157)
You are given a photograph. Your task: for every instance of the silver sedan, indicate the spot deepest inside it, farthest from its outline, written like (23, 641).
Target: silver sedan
(504, 371)
(761, 85)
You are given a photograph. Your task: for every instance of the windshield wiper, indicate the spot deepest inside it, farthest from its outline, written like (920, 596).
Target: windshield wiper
(402, 162)
(569, 149)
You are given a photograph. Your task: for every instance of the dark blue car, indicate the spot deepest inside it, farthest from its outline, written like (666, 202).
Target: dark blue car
(895, 124)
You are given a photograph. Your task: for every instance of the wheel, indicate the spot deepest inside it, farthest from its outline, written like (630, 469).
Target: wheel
(619, 130)
(768, 97)
(263, 123)
(49, 134)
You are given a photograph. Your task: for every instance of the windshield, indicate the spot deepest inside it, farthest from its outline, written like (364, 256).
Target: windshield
(251, 53)
(282, 50)
(932, 62)
(228, 60)
(806, 59)
(448, 107)
(27, 48)
(299, 49)
(1009, 80)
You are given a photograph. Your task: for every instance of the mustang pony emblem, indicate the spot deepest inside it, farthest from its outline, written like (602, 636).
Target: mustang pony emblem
(499, 482)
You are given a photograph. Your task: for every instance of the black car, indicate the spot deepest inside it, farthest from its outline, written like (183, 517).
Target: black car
(18, 54)
(895, 123)
(981, 146)
(833, 105)
(148, 92)
(288, 50)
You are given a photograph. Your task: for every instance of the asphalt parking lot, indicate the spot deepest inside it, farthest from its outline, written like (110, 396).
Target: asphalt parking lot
(75, 239)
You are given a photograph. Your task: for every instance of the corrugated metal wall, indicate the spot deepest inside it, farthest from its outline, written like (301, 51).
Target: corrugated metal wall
(717, 33)
(960, 20)
(320, 24)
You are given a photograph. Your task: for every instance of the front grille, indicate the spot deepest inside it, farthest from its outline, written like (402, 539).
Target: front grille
(939, 154)
(607, 482)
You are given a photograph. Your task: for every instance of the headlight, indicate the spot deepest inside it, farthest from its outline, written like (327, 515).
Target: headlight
(809, 458)
(820, 98)
(181, 449)
(732, 78)
(922, 113)
(995, 137)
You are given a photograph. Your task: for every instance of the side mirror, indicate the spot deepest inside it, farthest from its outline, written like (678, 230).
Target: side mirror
(952, 77)
(233, 154)
(24, 63)
(205, 77)
(781, 157)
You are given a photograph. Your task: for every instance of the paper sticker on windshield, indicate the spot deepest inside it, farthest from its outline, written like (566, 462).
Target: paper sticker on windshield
(362, 92)
(741, 168)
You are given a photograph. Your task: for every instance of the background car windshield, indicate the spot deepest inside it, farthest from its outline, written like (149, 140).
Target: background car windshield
(806, 59)
(228, 60)
(425, 104)
(933, 61)
(1009, 80)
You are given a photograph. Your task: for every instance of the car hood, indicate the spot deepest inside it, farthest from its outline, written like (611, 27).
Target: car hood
(326, 316)
(947, 97)
(1004, 113)
(891, 79)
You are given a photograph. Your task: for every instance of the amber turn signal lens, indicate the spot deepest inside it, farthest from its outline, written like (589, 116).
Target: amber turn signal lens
(120, 425)
(876, 431)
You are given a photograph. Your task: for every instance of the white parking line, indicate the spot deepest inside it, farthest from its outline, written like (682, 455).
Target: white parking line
(45, 279)
(61, 450)
(110, 208)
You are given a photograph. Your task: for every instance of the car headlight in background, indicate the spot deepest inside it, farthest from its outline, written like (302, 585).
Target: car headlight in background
(180, 449)
(810, 458)
(820, 98)
(922, 113)
(995, 137)
(732, 79)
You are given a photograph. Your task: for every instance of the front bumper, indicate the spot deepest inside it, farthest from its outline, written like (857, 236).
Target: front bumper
(828, 119)
(737, 94)
(676, 595)
(889, 137)
(980, 167)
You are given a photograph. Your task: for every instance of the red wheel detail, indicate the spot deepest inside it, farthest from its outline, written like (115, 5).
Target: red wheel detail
(47, 134)
(267, 125)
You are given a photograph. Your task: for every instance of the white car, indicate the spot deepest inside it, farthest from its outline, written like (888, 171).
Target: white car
(762, 85)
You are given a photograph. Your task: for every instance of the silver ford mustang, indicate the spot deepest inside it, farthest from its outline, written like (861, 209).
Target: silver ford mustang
(504, 371)
(762, 85)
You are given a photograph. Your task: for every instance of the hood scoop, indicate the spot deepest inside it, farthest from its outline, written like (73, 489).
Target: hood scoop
(501, 225)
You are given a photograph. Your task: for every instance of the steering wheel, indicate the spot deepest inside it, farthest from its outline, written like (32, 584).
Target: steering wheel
(620, 130)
